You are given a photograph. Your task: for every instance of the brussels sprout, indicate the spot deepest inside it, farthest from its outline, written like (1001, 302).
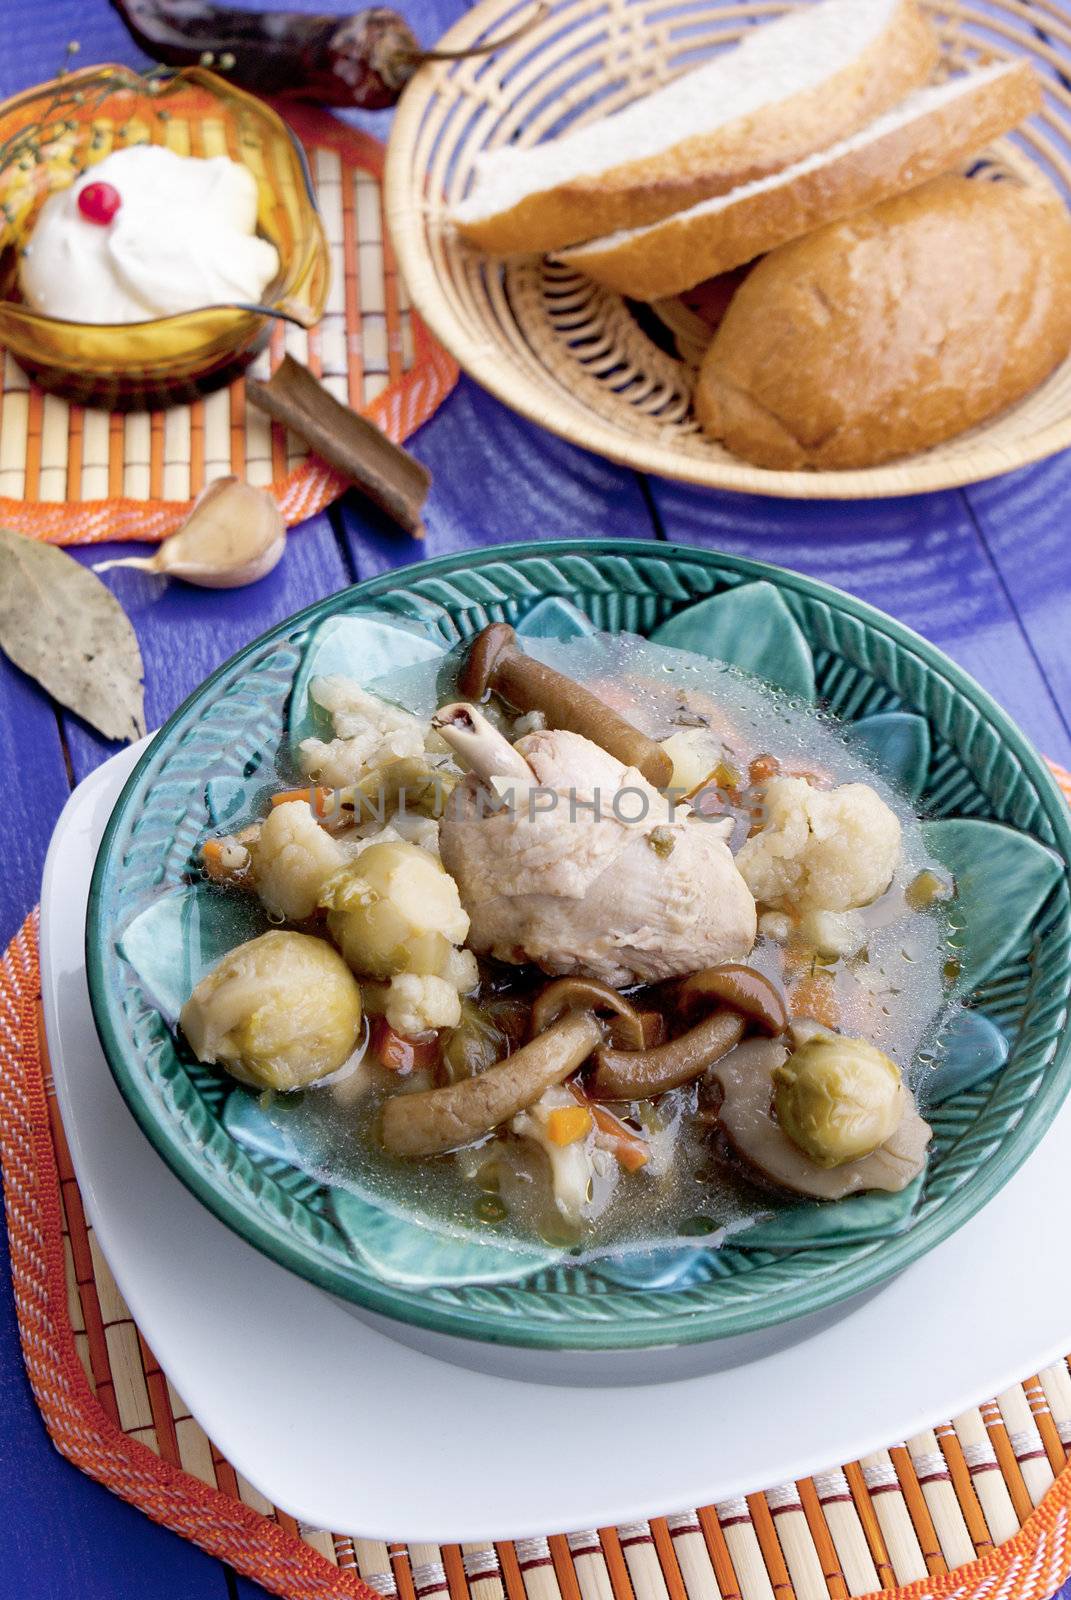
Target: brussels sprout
(394, 910)
(838, 1099)
(278, 1012)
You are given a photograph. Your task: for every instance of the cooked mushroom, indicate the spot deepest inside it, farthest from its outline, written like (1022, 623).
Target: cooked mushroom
(740, 987)
(642, 1074)
(438, 1120)
(495, 663)
(747, 1084)
(745, 996)
(587, 994)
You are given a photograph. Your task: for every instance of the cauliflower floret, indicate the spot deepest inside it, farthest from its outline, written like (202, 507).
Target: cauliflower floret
(411, 1001)
(821, 850)
(776, 925)
(369, 732)
(417, 1003)
(293, 857)
(461, 970)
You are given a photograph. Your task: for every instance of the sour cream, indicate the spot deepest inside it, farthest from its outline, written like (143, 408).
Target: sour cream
(184, 236)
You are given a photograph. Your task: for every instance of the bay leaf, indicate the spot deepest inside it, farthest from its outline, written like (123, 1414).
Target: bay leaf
(63, 627)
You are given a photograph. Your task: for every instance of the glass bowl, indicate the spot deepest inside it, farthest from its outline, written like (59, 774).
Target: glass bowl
(51, 134)
(994, 816)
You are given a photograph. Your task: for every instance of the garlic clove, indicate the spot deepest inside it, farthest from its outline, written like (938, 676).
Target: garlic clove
(234, 535)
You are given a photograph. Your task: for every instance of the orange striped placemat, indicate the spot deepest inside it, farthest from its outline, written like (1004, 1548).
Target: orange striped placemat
(976, 1508)
(74, 475)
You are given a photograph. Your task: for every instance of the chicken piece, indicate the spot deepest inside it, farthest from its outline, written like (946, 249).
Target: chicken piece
(590, 870)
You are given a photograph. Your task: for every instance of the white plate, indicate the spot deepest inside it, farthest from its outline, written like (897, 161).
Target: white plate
(348, 1429)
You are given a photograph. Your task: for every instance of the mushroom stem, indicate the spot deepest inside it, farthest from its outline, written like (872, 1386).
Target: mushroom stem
(588, 993)
(495, 663)
(438, 1120)
(740, 987)
(478, 742)
(643, 1074)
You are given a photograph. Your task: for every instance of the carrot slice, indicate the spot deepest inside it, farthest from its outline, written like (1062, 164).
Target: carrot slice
(815, 996)
(629, 1148)
(218, 860)
(763, 768)
(567, 1124)
(399, 1054)
(323, 803)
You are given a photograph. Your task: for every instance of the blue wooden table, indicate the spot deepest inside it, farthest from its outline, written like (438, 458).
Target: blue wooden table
(985, 574)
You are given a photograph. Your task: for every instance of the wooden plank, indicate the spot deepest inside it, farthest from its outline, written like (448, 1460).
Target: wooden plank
(1023, 520)
(496, 479)
(32, 756)
(921, 559)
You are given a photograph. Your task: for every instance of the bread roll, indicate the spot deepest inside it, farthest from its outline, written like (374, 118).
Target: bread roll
(792, 86)
(895, 329)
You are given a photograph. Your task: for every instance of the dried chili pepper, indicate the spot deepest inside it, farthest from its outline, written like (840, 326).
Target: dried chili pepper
(364, 59)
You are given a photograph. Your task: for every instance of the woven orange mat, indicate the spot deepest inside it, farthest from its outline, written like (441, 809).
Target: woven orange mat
(975, 1509)
(73, 475)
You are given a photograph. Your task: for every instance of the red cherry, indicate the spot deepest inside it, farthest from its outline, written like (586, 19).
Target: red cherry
(98, 202)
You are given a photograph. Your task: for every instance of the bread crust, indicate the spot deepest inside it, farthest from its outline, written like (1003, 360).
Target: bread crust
(903, 326)
(683, 250)
(635, 193)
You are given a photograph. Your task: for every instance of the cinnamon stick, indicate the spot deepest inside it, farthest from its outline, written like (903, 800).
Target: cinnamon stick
(390, 477)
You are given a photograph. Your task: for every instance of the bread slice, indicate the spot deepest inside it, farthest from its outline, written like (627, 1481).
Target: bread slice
(927, 134)
(790, 87)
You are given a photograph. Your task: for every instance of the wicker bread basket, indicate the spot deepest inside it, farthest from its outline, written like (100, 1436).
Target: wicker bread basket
(577, 358)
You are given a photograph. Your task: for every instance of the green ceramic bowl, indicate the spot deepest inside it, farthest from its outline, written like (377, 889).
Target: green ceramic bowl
(998, 821)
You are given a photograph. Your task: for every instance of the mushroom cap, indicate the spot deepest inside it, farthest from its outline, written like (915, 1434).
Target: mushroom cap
(745, 989)
(488, 648)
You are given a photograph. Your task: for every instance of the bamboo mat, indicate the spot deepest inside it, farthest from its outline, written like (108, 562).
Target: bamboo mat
(74, 475)
(976, 1508)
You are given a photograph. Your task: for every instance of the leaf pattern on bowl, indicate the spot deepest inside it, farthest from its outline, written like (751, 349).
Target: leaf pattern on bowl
(180, 937)
(1003, 878)
(555, 618)
(673, 1267)
(860, 1219)
(227, 800)
(897, 743)
(364, 645)
(749, 627)
(970, 1050)
(402, 1251)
